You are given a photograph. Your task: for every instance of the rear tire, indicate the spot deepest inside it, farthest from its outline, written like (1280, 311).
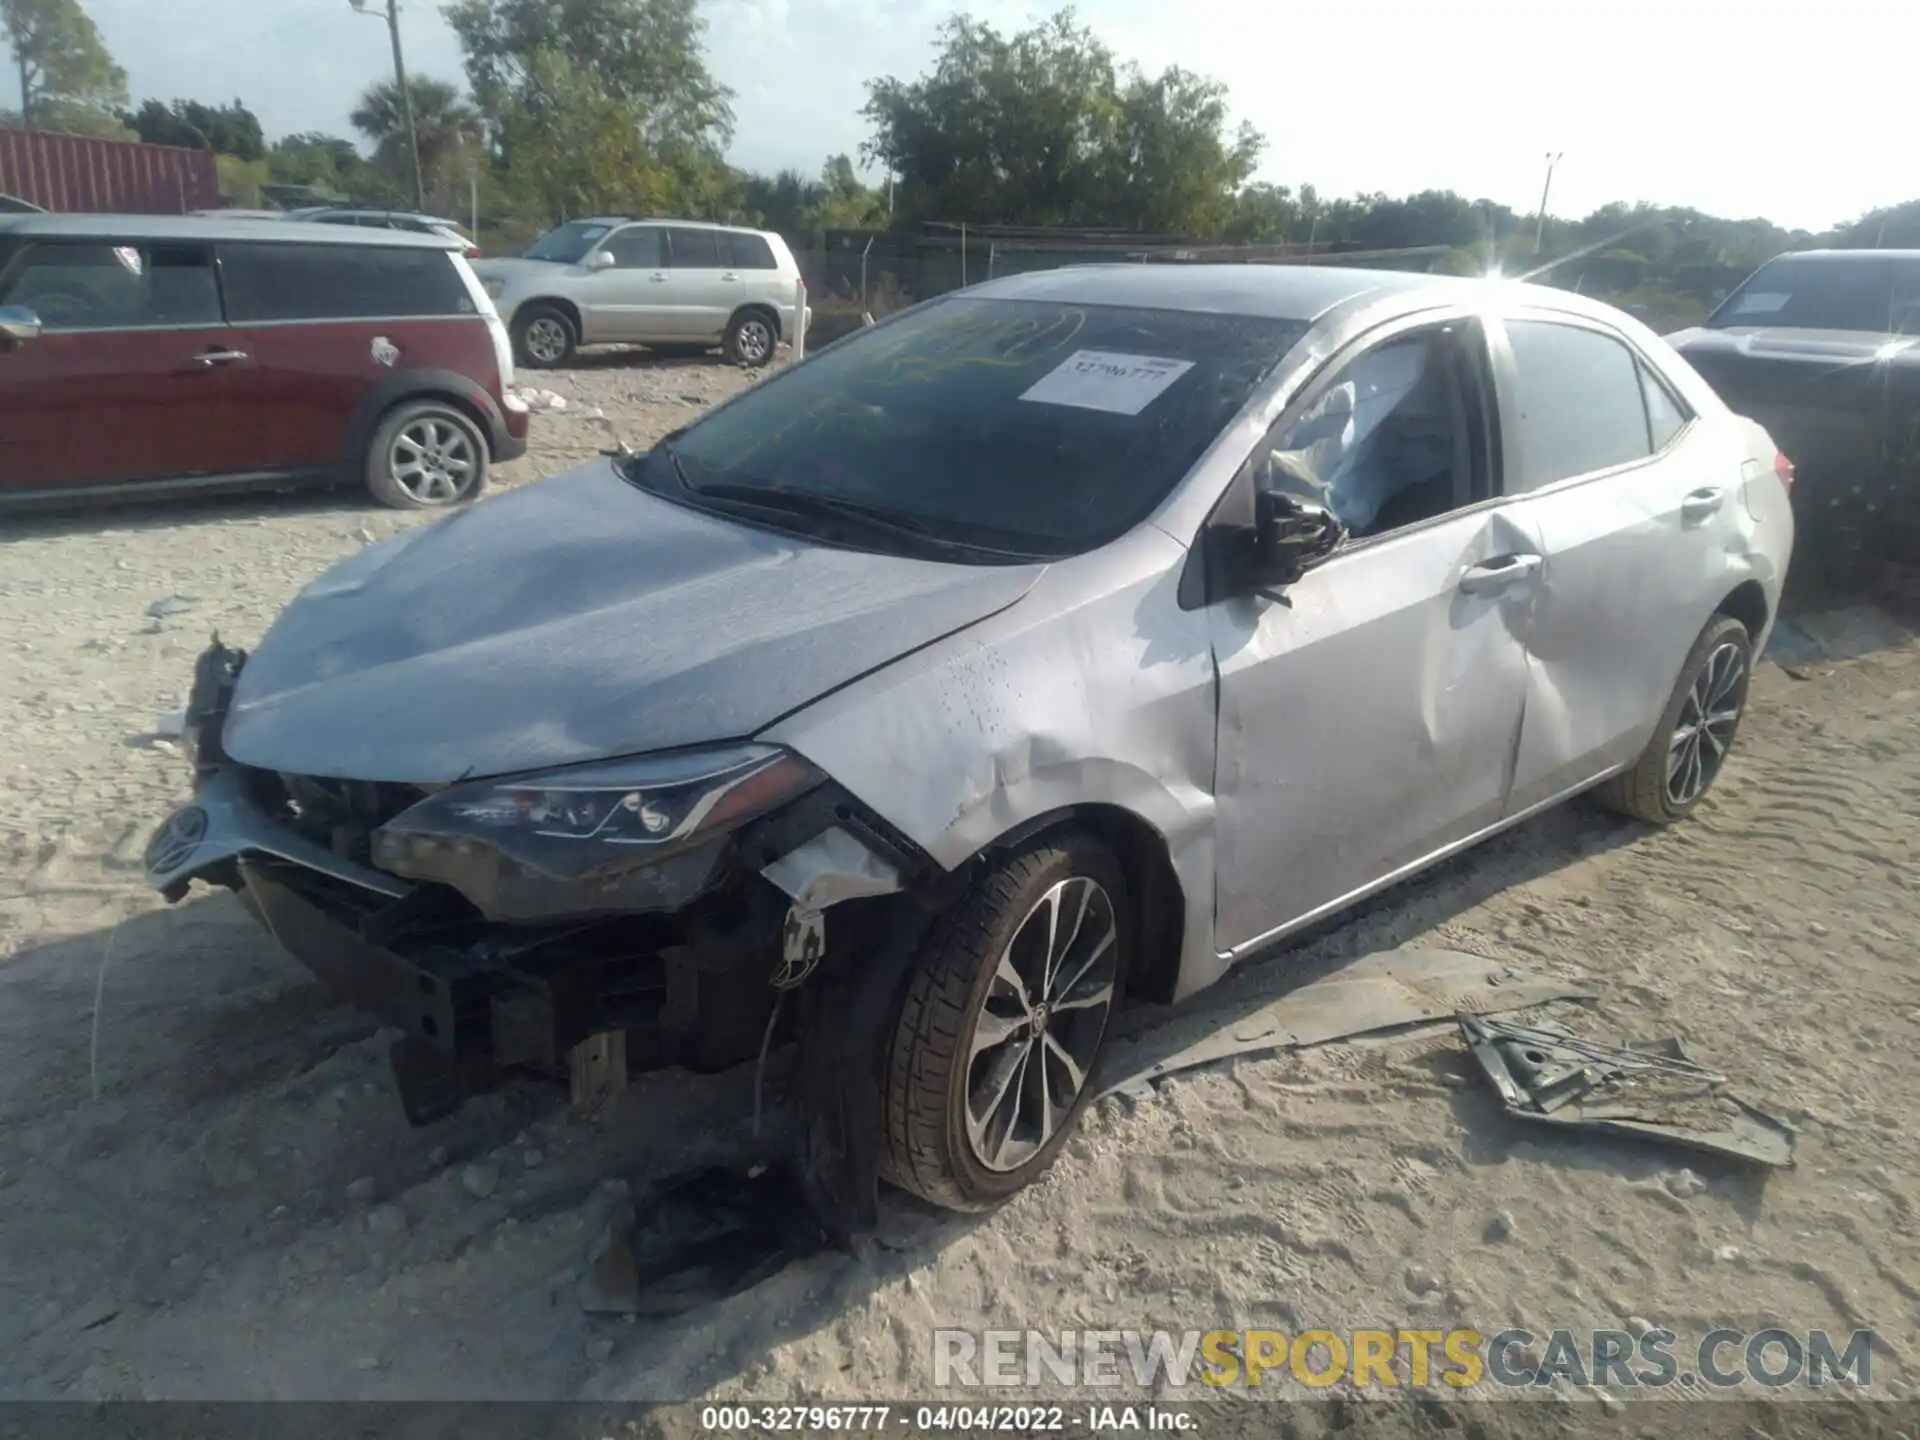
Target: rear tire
(996, 1027)
(750, 339)
(426, 455)
(544, 337)
(1696, 730)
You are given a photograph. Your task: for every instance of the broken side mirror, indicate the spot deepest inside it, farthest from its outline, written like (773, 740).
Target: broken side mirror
(18, 325)
(1291, 536)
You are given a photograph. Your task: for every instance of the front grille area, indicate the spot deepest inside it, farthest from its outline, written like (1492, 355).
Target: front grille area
(339, 814)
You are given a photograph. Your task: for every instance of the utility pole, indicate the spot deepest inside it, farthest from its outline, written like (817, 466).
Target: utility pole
(1540, 221)
(390, 12)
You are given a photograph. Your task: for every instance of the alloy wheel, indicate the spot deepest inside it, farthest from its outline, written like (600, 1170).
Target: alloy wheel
(755, 342)
(1708, 718)
(546, 341)
(1040, 1026)
(433, 460)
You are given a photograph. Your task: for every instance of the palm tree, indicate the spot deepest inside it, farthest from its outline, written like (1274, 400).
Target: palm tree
(448, 128)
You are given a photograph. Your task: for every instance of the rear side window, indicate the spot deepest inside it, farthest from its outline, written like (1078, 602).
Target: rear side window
(697, 249)
(1666, 416)
(751, 252)
(1579, 405)
(103, 286)
(339, 282)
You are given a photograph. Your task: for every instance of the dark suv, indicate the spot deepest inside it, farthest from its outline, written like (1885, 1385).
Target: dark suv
(143, 355)
(1823, 348)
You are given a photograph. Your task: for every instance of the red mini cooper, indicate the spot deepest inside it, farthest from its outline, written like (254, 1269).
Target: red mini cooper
(144, 355)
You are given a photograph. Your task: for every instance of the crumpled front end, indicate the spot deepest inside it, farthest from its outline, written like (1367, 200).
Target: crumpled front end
(502, 923)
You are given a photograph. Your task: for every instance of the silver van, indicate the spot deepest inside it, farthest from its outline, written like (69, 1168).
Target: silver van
(672, 285)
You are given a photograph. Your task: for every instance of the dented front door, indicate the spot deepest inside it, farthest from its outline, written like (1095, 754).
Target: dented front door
(1369, 720)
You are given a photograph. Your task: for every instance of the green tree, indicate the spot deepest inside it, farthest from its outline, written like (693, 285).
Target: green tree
(1017, 130)
(230, 129)
(1045, 128)
(1262, 215)
(1175, 168)
(320, 162)
(64, 68)
(644, 55)
(450, 131)
(569, 148)
(794, 205)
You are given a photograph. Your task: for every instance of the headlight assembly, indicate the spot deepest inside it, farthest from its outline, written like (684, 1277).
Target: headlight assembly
(627, 835)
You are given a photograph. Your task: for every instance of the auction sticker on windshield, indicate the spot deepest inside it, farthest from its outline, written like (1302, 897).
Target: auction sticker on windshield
(1106, 380)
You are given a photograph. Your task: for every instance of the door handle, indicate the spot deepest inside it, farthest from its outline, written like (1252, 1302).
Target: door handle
(1495, 575)
(729, 276)
(1700, 504)
(214, 358)
(658, 277)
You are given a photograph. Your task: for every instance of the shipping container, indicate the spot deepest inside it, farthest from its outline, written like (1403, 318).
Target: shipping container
(78, 173)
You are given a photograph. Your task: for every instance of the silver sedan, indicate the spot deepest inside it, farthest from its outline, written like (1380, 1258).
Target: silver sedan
(1080, 632)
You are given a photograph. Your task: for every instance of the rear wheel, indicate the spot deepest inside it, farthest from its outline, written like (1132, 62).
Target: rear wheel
(544, 336)
(426, 455)
(1695, 732)
(992, 1056)
(750, 339)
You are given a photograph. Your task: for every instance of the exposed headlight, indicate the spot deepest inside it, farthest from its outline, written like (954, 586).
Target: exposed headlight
(628, 835)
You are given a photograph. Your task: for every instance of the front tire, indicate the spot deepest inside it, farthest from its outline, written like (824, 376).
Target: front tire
(1695, 733)
(993, 1053)
(544, 337)
(426, 455)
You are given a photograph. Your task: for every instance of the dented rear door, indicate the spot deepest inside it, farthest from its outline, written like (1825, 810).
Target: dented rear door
(1636, 525)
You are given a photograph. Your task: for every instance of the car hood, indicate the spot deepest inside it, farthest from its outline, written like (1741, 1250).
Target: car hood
(1840, 346)
(578, 619)
(510, 268)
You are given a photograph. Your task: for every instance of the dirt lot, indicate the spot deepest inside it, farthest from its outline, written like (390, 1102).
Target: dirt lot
(207, 1189)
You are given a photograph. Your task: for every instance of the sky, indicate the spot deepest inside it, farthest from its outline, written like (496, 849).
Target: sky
(1738, 110)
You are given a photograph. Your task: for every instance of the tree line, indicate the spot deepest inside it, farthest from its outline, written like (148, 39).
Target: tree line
(575, 107)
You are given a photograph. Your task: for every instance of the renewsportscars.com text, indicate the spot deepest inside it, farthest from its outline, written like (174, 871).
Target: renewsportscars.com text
(1655, 1359)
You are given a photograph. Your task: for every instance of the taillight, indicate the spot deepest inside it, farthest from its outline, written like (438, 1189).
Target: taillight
(1783, 471)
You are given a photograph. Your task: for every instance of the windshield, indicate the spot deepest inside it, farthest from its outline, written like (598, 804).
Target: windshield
(1037, 427)
(568, 245)
(1802, 294)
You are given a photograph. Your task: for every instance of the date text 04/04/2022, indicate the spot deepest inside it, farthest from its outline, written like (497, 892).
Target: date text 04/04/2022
(1012, 1419)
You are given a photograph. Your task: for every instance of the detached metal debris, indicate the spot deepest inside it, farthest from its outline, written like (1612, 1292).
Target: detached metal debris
(1380, 991)
(1545, 1072)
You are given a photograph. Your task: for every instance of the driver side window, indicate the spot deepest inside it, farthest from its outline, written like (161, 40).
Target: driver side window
(1388, 441)
(101, 286)
(636, 248)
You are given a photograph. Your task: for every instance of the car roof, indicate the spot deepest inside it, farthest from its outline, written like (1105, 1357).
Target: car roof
(665, 220)
(1277, 292)
(206, 227)
(1842, 257)
(375, 210)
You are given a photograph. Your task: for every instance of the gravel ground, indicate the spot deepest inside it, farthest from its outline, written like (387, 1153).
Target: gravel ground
(207, 1189)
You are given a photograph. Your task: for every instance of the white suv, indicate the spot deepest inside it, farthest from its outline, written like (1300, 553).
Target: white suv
(666, 284)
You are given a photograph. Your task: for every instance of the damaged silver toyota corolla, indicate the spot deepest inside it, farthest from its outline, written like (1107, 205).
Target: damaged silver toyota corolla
(1082, 632)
